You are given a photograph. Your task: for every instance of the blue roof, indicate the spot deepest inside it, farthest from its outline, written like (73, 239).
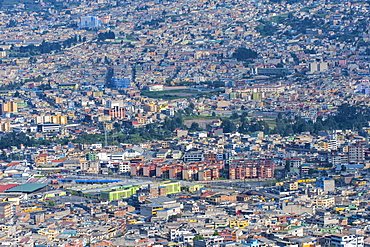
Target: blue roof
(97, 181)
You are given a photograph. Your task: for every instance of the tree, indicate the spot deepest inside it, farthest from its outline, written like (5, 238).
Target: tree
(108, 77)
(194, 126)
(311, 171)
(32, 60)
(235, 115)
(106, 35)
(266, 29)
(216, 233)
(287, 166)
(198, 237)
(243, 54)
(228, 126)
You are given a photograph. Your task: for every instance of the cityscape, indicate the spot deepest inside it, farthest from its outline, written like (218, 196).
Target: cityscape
(154, 123)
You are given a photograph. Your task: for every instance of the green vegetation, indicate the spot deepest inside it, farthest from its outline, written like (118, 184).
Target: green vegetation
(44, 47)
(30, 5)
(201, 117)
(51, 203)
(198, 237)
(166, 94)
(243, 54)
(266, 29)
(12, 86)
(16, 139)
(106, 35)
(155, 23)
(347, 117)
(125, 133)
(179, 93)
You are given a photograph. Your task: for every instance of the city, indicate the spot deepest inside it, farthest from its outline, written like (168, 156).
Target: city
(184, 123)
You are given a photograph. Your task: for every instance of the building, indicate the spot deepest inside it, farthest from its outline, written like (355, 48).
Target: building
(324, 202)
(5, 126)
(170, 187)
(48, 127)
(193, 157)
(5, 210)
(89, 22)
(328, 185)
(318, 66)
(271, 71)
(155, 87)
(118, 193)
(122, 83)
(116, 112)
(243, 168)
(43, 119)
(210, 241)
(356, 154)
(161, 206)
(9, 107)
(291, 186)
(342, 240)
(91, 156)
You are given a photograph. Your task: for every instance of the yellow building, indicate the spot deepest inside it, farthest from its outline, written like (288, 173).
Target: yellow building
(9, 107)
(359, 183)
(104, 118)
(150, 108)
(324, 202)
(241, 224)
(59, 120)
(97, 93)
(291, 186)
(5, 126)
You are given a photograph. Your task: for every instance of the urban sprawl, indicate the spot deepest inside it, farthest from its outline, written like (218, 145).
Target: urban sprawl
(185, 123)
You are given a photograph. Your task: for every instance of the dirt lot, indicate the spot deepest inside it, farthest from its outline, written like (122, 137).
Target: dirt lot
(202, 122)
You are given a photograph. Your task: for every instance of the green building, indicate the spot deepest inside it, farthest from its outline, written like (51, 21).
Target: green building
(119, 193)
(91, 156)
(171, 187)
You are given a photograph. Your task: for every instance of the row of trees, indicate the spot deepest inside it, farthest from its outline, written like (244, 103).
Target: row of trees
(45, 47)
(106, 35)
(347, 117)
(16, 139)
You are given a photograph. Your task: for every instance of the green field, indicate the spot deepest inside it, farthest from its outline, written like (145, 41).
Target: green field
(271, 122)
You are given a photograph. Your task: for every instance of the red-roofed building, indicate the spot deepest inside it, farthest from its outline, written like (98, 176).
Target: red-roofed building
(4, 187)
(13, 164)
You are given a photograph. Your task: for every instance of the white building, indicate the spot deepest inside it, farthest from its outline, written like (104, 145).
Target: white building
(341, 240)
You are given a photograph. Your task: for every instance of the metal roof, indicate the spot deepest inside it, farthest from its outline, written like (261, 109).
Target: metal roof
(27, 188)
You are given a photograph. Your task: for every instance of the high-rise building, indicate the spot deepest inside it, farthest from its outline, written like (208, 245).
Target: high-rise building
(5, 210)
(10, 107)
(116, 112)
(118, 83)
(356, 154)
(5, 126)
(89, 22)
